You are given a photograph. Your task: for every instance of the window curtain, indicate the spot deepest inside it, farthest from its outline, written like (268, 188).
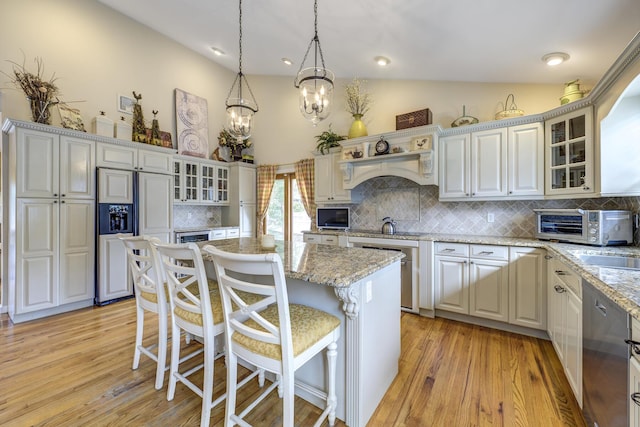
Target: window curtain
(266, 176)
(305, 178)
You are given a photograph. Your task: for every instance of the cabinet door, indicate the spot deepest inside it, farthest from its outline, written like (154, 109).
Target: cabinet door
(77, 250)
(489, 163)
(152, 161)
(323, 167)
(155, 217)
(569, 153)
(36, 255)
(339, 193)
(247, 185)
(634, 391)
(178, 181)
(452, 284)
(190, 180)
(115, 186)
(526, 160)
(222, 184)
(208, 192)
(77, 168)
(558, 306)
(114, 280)
(247, 220)
(454, 166)
(116, 156)
(573, 343)
(527, 287)
(37, 164)
(489, 289)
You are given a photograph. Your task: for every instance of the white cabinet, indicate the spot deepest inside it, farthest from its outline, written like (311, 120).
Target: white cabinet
(114, 278)
(131, 158)
(241, 211)
(155, 218)
(200, 182)
(115, 186)
(569, 153)
(492, 164)
(50, 226)
(528, 287)
(472, 279)
(565, 322)
(328, 180)
(634, 392)
(325, 239)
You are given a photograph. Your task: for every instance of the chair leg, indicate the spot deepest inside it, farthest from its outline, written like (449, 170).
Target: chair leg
(232, 379)
(288, 399)
(175, 361)
(162, 354)
(331, 392)
(207, 386)
(139, 333)
(261, 377)
(280, 391)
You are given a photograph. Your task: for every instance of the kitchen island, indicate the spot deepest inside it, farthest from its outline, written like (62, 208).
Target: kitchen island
(362, 288)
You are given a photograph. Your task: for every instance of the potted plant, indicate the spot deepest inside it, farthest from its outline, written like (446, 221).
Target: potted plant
(358, 102)
(328, 139)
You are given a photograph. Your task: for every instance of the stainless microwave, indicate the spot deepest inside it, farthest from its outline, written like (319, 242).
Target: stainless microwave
(589, 227)
(336, 218)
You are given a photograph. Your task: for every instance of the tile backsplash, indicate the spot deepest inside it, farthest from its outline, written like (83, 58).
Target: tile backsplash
(416, 209)
(192, 216)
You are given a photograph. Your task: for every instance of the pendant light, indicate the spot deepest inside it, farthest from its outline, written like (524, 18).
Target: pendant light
(240, 110)
(315, 84)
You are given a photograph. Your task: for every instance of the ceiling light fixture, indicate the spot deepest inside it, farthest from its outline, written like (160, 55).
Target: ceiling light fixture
(287, 61)
(315, 84)
(555, 58)
(382, 61)
(240, 111)
(216, 51)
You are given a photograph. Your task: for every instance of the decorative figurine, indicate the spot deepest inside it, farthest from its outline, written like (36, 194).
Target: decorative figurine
(139, 132)
(155, 130)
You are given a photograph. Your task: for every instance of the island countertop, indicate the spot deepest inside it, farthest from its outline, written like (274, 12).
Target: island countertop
(323, 264)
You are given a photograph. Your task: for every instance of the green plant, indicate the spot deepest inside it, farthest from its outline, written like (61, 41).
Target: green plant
(328, 139)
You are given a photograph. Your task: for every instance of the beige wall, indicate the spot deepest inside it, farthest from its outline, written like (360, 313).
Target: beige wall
(97, 53)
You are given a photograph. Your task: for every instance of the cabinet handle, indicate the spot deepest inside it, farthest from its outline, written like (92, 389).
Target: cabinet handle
(636, 398)
(473, 194)
(635, 345)
(559, 289)
(561, 273)
(548, 257)
(466, 194)
(62, 201)
(585, 188)
(485, 253)
(448, 250)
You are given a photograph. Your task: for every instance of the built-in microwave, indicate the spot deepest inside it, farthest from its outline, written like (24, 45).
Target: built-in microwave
(589, 227)
(337, 218)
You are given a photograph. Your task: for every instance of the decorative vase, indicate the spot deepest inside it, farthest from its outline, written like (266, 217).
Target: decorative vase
(40, 111)
(357, 128)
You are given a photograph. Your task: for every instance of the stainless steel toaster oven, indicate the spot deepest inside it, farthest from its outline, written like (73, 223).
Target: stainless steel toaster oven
(589, 227)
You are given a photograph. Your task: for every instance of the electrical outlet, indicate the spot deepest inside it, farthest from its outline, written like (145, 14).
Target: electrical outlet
(189, 215)
(369, 291)
(490, 217)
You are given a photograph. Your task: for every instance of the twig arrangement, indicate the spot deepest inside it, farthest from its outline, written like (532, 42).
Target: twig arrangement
(40, 92)
(357, 99)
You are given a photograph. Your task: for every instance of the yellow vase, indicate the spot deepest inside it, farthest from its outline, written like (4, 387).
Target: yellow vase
(357, 128)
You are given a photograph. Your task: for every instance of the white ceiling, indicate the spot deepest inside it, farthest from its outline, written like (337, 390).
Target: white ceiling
(444, 40)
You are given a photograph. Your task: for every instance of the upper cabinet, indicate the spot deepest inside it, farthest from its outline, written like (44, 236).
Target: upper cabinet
(328, 180)
(131, 158)
(569, 153)
(493, 164)
(201, 181)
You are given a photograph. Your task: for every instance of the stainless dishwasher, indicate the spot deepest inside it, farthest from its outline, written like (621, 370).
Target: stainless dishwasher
(406, 275)
(605, 358)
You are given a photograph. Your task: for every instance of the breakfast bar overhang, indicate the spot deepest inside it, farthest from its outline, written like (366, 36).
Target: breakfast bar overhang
(362, 288)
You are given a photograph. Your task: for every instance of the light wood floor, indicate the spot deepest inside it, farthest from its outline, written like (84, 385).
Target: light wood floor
(75, 369)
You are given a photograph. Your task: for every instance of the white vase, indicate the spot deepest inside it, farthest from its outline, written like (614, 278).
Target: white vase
(365, 149)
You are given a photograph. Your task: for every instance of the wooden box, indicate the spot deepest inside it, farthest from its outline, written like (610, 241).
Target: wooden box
(414, 119)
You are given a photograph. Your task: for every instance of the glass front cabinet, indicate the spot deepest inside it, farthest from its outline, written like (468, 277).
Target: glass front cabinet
(569, 153)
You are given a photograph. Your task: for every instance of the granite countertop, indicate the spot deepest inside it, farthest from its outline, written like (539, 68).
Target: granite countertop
(192, 229)
(622, 286)
(324, 264)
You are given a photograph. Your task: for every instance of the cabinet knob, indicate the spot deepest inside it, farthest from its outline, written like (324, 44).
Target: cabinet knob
(559, 289)
(548, 257)
(635, 345)
(585, 188)
(55, 194)
(62, 195)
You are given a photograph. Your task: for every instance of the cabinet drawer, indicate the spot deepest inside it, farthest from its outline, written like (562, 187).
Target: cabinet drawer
(233, 232)
(452, 249)
(313, 238)
(568, 277)
(217, 234)
(489, 252)
(330, 240)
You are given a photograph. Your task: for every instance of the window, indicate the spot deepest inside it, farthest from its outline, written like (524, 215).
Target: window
(286, 218)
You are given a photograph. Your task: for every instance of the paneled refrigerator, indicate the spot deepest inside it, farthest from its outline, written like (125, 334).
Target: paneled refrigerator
(129, 203)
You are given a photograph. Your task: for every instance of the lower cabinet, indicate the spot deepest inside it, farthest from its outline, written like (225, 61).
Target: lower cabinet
(325, 239)
(565, 322)
(492, 282)
(634, 392)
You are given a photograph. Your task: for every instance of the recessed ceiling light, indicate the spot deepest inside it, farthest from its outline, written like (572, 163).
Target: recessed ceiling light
(217, 51)
(555, 58)
(287, 61)
(382, 61)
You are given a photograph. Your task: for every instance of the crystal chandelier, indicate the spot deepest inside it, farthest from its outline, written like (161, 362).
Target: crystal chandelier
(315, 84)
(240, 110)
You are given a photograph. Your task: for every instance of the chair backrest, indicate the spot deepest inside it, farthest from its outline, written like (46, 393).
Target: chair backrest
(242, 278)
(147, 278)
(183, 267)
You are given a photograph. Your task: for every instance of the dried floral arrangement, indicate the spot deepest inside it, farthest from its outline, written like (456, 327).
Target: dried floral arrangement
(225, 139)
(358, 100)
(41, 93)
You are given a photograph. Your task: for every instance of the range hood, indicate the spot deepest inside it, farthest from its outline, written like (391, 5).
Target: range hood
(412, 155)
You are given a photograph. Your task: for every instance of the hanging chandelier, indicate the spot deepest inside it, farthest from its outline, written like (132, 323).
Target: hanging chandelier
(240, 110)
(315, 84)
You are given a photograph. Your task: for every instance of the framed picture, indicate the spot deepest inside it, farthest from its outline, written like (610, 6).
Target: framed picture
(70, 118)
(125, 104)
(192, 124)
